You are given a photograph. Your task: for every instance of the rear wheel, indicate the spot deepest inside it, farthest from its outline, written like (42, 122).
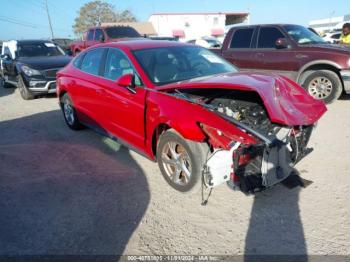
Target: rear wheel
(323, 85)
(69, 113)
(23, 90)
(181, 161)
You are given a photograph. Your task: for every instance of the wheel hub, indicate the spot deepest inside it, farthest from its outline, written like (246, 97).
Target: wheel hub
(320, 87)
(176, 163)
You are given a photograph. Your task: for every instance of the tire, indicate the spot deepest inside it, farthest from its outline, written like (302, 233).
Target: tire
(181, 161)
(23, 90)
(69, 113)
(323, 85)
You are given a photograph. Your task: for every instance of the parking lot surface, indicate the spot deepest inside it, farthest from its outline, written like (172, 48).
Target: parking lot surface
(67, 192)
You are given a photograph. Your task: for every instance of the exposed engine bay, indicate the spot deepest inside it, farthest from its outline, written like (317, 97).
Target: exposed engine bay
(257, 166)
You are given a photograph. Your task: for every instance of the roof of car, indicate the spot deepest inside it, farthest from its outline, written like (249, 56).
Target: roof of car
(255, 25)
(144, 44)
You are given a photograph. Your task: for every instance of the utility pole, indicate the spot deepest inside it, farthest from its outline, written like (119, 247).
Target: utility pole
(49, 18)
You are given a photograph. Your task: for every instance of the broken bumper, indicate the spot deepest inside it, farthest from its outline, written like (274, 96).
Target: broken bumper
(268, 163)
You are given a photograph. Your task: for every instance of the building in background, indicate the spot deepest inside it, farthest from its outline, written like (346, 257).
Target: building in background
(189, 26)
(329, 24)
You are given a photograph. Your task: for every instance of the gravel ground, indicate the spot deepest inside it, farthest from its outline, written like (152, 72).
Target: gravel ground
(66, 192)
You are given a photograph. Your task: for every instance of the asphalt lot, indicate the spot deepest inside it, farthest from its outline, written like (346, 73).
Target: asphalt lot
(66, 192)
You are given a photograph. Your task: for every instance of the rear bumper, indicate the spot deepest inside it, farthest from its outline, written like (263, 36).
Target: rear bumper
(345, 75)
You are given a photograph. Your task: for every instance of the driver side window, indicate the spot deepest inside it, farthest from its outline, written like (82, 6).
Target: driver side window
(117, 65)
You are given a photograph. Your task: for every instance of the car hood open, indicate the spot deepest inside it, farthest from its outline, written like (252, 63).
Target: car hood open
(286, 102)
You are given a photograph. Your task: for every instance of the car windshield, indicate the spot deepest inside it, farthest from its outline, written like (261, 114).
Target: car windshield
(38, 49)
(303, 35)
(172, 64)
(121, 32)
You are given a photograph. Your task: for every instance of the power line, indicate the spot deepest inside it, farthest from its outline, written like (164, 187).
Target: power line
(18, 20)
(8, 21)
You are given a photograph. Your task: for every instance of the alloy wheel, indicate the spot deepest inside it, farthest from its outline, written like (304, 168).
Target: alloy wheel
(320, 87)
(176, 163)
(68, 112)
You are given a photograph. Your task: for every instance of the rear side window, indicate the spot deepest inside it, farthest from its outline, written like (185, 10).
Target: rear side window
(92, 61)
(268, 36)
(90, 35)
(98, 35)
(242, 38)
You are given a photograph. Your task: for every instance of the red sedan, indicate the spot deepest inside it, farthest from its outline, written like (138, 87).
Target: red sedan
(191, 111)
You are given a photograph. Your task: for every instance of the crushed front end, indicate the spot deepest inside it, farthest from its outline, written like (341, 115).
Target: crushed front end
(265, 159)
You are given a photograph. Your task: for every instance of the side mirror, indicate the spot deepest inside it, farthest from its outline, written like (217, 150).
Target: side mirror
(102, 38)
(127, 81)
(281, 43)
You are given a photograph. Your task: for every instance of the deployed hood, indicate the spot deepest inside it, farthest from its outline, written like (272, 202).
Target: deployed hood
(285, 101)
(45, 62)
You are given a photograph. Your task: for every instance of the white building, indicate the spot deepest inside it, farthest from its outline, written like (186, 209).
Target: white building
(189, 26)
(329, 24)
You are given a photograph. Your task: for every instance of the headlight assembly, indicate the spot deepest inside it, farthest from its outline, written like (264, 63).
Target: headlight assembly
(29, 71)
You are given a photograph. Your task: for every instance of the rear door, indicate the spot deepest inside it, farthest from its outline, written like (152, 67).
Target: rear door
(85, 93)
(122, 109)
(239, 50)
(271, 59)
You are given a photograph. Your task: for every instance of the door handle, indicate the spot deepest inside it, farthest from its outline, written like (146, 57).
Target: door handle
(300, 56)
(259, 55)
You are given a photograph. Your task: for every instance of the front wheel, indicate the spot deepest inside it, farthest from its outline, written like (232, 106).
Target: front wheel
(323, 85)
(69, 113)
(181, 161)
(23, 90)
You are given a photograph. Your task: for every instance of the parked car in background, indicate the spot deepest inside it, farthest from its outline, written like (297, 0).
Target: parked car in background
(64, 43)
(207, 42)
(166, 38)
(332, 38)
(293, 51)
(191, 111)
(31, 65)
(100, 34)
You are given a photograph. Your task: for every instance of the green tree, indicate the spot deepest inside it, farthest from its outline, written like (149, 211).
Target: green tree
(97, 12)
(126, 16)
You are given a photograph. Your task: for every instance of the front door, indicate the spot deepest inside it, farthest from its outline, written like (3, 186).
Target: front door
(122, 110)
(271, 59)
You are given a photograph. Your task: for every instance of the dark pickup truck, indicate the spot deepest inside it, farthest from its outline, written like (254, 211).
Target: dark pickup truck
(294, 51)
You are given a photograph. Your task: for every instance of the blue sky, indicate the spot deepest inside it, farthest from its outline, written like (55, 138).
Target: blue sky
(20, 19)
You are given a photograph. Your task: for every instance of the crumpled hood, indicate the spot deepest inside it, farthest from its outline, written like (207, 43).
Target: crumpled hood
(286, 102)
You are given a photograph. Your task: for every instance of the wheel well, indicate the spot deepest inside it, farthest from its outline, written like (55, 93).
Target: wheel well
(317, 67)
(160, 129)
(62, 94)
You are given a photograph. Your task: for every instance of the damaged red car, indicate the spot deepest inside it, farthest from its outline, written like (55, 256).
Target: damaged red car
(191, 111)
